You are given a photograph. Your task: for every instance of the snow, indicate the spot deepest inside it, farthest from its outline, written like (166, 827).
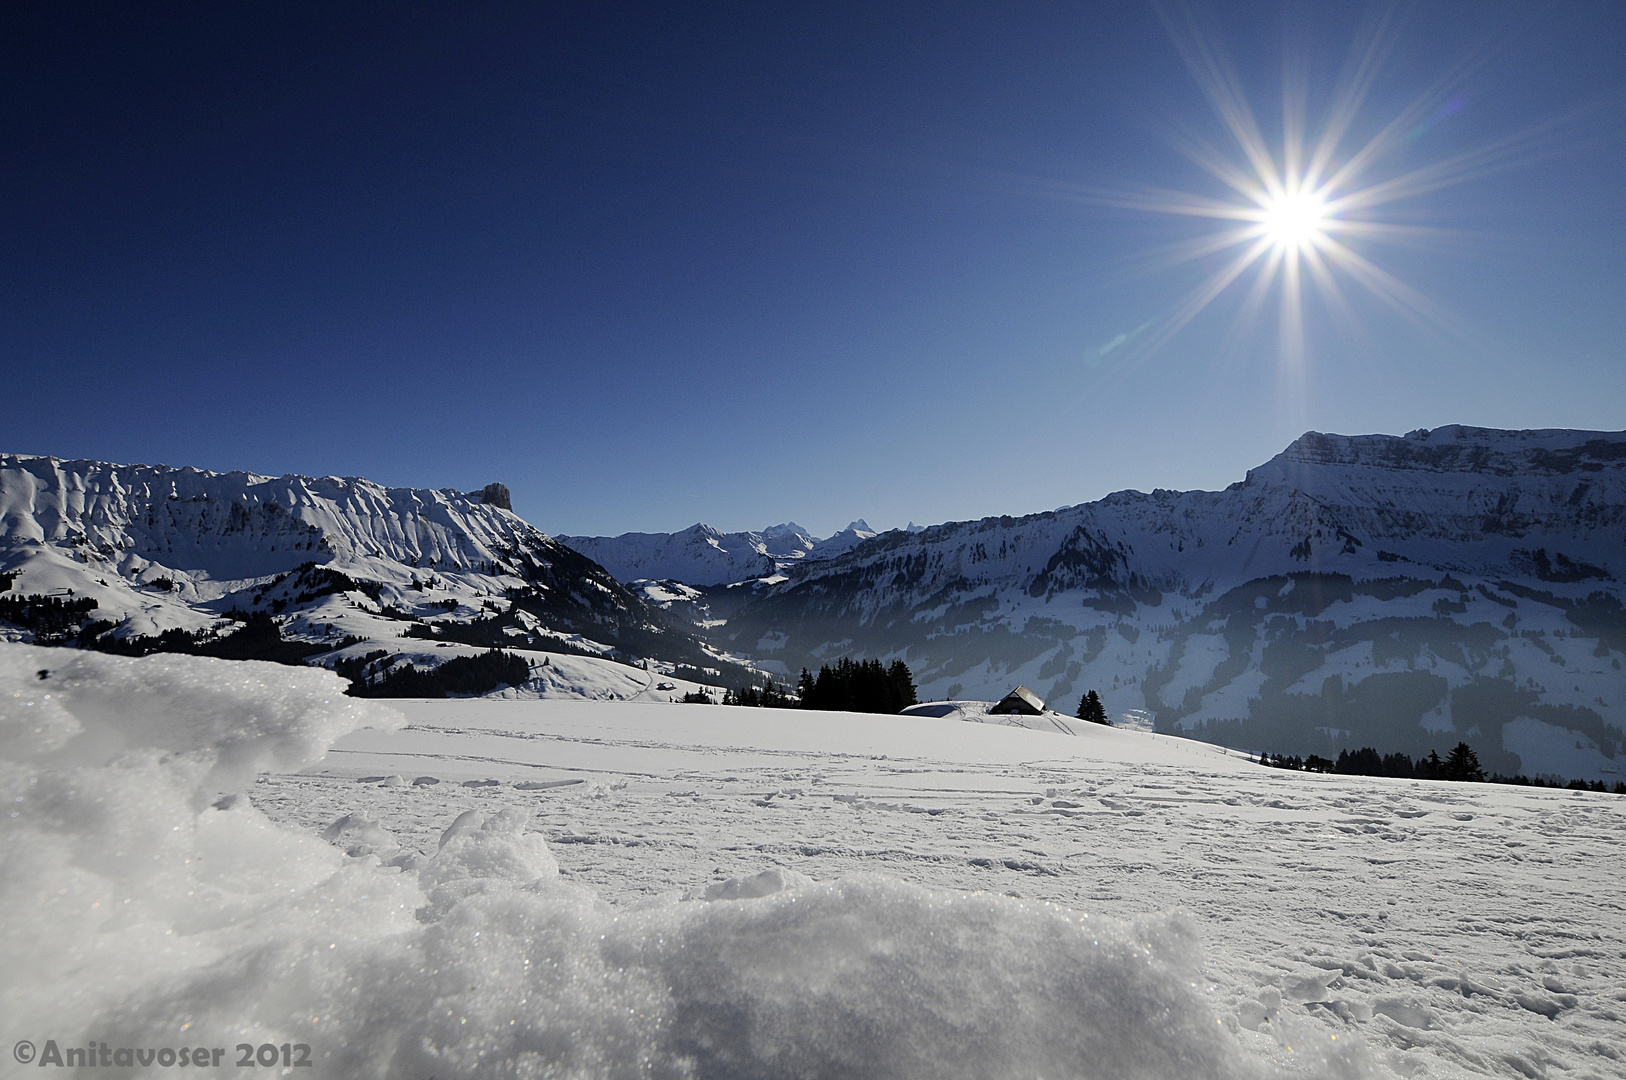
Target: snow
(1203, 653)
(976, 712)
(742, 892)
(787, 541)
(1061, 601)
(976, 607)
(236, 525)
(110, 532)
(699, 555)
(842, 542)
(49, 571)
(664, 592)
(553, 674)
(565, 738)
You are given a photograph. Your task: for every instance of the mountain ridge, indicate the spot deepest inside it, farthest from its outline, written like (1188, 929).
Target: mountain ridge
(161, 549)
(1394, 591)
(1346, 581)
(702, 555)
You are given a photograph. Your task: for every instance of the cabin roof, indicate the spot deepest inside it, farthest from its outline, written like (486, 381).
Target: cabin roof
(1020, 700)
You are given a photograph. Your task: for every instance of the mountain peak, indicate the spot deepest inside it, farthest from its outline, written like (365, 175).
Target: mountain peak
(1454, 448)
(495, 494)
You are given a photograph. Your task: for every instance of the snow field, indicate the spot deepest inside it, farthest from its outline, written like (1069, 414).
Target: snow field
(145, 903)
(1453, 929)
(1456, 930)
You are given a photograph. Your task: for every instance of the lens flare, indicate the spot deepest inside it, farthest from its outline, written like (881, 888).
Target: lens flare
(1294, 221)
(1294, 211)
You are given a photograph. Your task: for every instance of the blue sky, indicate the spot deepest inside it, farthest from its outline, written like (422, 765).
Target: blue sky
(654, 265)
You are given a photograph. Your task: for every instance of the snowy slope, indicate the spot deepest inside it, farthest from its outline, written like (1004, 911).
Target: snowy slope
(787, 541)
(842, 542)
(1402, 593)
(978, 712)
(1395, 592)
(567, 888)
(1447, 930)
(569, 675)
(160, 548)
(239, 525)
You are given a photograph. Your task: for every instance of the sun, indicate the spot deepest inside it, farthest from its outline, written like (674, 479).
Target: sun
(1294, 220)
(1298, 213)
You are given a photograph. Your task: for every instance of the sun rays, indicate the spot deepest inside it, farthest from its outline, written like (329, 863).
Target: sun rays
(1297, 217)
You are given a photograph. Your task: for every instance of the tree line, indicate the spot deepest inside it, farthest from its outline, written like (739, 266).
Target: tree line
(376, 675)
(1461, 765)
(848, 685)
(858, 686)
(53, 619)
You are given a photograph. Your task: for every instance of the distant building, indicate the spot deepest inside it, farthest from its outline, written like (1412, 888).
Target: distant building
(1021, 700)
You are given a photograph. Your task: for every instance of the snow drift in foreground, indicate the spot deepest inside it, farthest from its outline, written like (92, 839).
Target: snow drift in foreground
(141, 909)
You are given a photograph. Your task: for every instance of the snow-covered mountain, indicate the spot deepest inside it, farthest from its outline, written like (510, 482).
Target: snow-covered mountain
(1398, 592)
(1395, 592)
(699, 555)
(843, 541)
(132, 551)
(787, 542)
(702, 556)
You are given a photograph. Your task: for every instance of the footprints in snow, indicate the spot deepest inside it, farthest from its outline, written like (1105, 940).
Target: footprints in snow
(430, 781)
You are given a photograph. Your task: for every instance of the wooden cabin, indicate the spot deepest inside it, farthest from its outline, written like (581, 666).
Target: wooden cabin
(1021, 701)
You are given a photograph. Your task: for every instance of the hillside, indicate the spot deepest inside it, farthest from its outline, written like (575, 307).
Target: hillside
(1403, 593)
(116, 556)
(1397, 592)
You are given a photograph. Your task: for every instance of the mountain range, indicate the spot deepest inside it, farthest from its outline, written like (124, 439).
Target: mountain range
(118, 556)
(700, 555)
(1397, 592)
(1400, 592)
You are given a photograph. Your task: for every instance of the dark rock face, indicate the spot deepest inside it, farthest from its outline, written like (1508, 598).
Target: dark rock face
(496, 495)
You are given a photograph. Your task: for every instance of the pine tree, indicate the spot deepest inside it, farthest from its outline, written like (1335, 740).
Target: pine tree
(903, 685)
(1463, 764)
(1090, 709)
